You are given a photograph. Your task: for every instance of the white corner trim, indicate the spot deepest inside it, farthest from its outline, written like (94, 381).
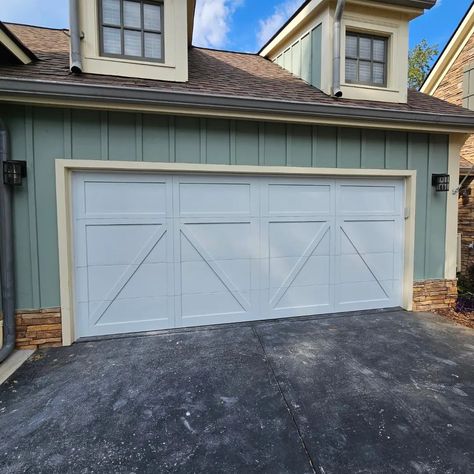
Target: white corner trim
(65, 168)
(456, 142)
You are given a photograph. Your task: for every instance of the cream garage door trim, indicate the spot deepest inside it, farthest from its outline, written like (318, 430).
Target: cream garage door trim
(64, 172)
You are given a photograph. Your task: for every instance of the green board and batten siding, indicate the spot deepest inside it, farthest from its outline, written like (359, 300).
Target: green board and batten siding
(40, 135)
(303, 58)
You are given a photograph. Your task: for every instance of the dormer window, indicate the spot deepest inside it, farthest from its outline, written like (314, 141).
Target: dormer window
(132, 29)
(366, 59)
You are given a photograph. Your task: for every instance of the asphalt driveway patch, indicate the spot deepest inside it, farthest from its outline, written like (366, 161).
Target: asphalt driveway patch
(372, 392)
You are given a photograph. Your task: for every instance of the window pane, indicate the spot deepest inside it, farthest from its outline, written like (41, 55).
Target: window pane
(365, 45)
(364, 71)
(379, 50)
(153, 46)
(112, 41)
(133, 43)
(152, 17)
(351, 46)
(111, 12)
(351, 70)
(132, 15)
(379, 73)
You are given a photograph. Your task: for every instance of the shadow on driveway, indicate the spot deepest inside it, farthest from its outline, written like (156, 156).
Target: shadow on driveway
(376, 392)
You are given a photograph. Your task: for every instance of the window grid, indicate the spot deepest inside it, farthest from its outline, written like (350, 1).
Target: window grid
(372, 61)
(124, 28)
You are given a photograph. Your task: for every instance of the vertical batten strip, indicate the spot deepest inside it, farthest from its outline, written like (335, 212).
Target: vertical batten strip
(32, 211)
(104, 135)
(139, 137)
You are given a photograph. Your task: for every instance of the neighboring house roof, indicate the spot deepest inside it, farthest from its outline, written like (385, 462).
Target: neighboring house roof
(450, 53)
(12, 50)
(215, 77)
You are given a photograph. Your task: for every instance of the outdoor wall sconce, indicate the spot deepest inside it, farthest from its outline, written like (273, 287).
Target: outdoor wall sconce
(14, 172)
(440, 182)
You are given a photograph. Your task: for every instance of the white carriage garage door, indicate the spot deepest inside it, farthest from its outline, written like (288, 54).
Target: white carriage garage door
(162, 251)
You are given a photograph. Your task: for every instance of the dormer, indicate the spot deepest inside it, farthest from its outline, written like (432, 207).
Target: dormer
(356, 49)
(132, 38)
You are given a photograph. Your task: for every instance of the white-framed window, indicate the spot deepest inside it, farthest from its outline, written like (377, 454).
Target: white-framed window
(132, 29)
(366, 59)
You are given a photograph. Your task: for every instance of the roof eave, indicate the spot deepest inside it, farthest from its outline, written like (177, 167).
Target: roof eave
(74, 95)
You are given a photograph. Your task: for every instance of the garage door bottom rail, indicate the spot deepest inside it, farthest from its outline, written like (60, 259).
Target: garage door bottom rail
(214, 327)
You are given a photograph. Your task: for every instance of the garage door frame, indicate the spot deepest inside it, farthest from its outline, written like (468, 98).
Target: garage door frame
(65, 169)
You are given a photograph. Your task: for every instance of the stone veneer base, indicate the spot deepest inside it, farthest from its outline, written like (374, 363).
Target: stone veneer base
(429, 295)
(38, 328)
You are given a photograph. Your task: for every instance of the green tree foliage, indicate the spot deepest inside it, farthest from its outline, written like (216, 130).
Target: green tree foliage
(419, 63)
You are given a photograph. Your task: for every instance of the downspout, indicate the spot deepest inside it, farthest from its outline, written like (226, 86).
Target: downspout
(336, 61)
(6, 252)
(75, 37)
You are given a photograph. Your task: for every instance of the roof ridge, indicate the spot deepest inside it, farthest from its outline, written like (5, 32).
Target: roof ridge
(7, 23)
(224, 50)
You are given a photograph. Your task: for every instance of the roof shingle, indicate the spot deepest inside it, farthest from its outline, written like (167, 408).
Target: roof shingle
(211, 72)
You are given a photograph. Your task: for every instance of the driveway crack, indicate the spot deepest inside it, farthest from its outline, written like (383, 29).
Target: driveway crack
(285, 400)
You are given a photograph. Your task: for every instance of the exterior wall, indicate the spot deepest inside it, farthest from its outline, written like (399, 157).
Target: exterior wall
(454, 88)
(303, 58)
(430, 295)
(450, 89)
(466, 229)
(41, 135)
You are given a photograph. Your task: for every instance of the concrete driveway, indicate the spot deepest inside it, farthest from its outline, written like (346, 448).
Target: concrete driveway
(373, 393)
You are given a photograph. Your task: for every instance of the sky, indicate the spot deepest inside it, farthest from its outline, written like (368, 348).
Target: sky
(241, 25)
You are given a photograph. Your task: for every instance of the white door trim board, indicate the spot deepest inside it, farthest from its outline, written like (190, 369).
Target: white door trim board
(65, 169)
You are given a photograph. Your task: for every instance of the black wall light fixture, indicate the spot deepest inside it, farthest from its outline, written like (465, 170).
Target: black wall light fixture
(440, 182)
(14, 172)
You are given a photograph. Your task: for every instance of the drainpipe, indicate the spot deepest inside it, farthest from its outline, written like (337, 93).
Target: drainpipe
(6, 252)
(75, 37)
(336, 61)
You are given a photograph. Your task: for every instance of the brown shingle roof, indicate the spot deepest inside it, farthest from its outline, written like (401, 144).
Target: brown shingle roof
(210, 72)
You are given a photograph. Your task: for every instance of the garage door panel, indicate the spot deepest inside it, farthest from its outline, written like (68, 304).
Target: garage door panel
(293, 199)
(198, 276)
(207, 287)
(303, 300)
(364, 294)
(367, 198)
(207, 305)
(146, 280)
(368, 236)
(292, 238)
(219, 240)
(353, 268)
(199, 199)
(129, 242)
(306, 284)
(308, 266)
(104, 198)
(315, 271)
